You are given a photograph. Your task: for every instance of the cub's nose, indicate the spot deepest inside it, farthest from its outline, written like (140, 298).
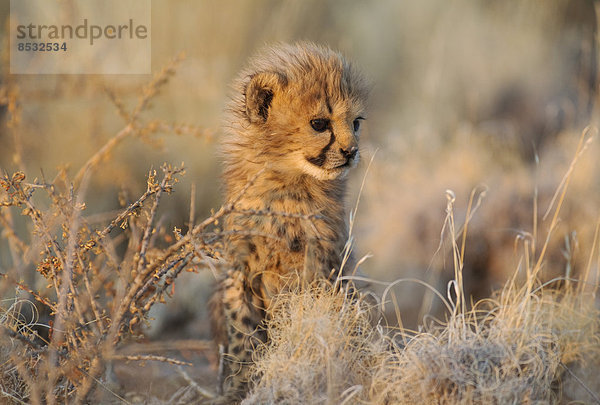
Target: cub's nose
(349, 153)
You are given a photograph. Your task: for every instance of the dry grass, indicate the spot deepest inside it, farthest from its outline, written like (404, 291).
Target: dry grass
(516, 349)
(520, 346)
(323, 349)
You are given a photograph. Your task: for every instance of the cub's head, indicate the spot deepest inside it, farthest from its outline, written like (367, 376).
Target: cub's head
(299, 108)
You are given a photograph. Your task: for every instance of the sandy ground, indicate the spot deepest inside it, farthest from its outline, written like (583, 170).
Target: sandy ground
(157, 382)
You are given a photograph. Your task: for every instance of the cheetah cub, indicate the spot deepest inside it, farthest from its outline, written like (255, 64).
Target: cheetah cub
(294, 126)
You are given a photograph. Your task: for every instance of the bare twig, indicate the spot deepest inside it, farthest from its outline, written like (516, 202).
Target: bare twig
(164, 346)
(132, 127)
(592, 394)
(205, 393)
(150, 357)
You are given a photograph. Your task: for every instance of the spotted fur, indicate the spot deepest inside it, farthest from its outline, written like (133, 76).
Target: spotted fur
(294, 126)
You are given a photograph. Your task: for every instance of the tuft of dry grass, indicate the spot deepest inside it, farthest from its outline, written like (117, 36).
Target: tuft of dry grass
(322, 348)
(514, 351)
(516, 348)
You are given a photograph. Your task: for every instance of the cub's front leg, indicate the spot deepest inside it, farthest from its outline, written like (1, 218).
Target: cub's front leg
(243, 317)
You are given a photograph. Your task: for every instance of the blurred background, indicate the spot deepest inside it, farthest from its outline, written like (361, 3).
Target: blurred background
(467, 95)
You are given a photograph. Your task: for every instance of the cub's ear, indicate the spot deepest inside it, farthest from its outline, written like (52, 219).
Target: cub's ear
(259, 94)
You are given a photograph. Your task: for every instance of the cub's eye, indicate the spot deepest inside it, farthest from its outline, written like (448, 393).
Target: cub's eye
(319, 124)
(356, 123)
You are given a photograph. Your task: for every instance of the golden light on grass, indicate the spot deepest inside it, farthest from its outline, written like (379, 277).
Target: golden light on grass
(516, 347)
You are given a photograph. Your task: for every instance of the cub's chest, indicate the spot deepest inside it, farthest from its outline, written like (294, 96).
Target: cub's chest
(281, 245)
(288, 233)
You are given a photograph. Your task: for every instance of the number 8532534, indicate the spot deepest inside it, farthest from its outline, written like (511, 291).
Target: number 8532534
(41, 46)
